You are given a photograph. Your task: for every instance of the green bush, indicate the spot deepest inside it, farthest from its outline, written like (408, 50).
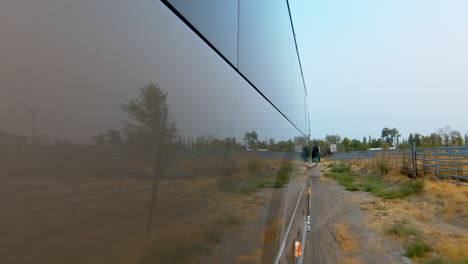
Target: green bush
(374, 184)
(417, 249)
(341, 168)
(384, 167)
(341, 177)
(345, 179)
(412, 186)
(390, 194)
(401, 229)
(401, 191)
(352, 187)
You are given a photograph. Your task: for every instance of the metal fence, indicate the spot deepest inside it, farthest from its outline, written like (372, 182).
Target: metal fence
(448, 164)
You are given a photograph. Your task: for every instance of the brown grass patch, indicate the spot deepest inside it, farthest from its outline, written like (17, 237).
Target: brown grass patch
(440, 212)
(352, 261)
(346, 242)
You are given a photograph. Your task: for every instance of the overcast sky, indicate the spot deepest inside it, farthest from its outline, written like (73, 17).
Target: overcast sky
(374, 64)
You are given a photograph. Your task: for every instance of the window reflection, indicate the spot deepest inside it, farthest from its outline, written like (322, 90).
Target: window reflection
(144, 147)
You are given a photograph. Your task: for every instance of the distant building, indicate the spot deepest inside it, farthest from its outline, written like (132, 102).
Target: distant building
(381, 148)
(8, 141)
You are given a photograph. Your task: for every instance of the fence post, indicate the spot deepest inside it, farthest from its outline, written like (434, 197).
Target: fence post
(415, 165)
(454, 161)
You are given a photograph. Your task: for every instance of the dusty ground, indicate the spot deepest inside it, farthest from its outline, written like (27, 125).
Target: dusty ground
(339, 233)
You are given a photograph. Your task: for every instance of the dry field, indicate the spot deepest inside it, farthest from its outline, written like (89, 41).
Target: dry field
(438, 216)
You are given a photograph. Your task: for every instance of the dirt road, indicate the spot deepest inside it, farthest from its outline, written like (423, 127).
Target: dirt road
(338, 233)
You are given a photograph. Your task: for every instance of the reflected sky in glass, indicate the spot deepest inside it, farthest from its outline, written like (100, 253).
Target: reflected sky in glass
(266, 49)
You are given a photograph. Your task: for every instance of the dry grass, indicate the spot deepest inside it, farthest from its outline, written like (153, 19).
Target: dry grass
(352, 261)
(347, 243)
(440, 212)
(453, 199)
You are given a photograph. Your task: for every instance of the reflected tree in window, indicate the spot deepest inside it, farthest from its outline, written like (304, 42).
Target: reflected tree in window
(147, 114)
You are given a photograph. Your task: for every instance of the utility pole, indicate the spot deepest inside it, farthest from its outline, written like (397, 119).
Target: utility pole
(33, 124)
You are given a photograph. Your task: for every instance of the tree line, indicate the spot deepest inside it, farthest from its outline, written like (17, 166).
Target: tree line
(149, 127)
(390, 137)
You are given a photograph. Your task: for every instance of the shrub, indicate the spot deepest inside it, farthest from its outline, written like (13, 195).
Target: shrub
(341, 168)
(401, 229)
(374, 185)
(405, 189)
(417, 249)
(412, 186)
(384, 167)
(390, 194)
(345, 179)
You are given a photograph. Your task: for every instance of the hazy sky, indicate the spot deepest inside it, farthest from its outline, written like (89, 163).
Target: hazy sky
(371, 64)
